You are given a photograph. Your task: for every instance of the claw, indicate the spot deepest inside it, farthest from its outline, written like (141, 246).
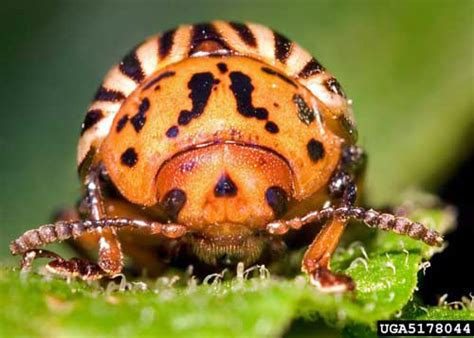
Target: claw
(329, 282)
(73, 268)
(30, 255)
(76, 268)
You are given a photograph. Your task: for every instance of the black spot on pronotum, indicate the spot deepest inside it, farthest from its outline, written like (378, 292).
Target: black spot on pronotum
(272, 127)
(279, 75)
(121, 123)
(92, 117)
(245, 33)
(139, 119)
(129, 157)
(315, 150)
(159, 78)
(312, 67)
(242, 89)
(206, 32)
(225, 187)
(131, 67)
(173, 202)
(201, 86)
(104, 94)
(172, 132)
(334, 86)
(166, 43)
(277, 199)
(305, 113)
(282, 47)
(222, 67)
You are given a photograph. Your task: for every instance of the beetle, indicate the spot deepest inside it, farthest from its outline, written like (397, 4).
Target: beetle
(219, 137)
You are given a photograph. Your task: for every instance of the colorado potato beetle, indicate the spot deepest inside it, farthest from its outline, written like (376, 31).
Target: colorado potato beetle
(216, 139)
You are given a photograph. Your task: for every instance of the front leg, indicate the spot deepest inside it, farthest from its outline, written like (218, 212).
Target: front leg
(110, 257)
(316, 261)
(110, 253)
(74, 267)
(342, 188)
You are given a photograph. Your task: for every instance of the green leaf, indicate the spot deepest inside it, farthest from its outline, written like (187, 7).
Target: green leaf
(457, 310)
(258, 307)
(440, 313)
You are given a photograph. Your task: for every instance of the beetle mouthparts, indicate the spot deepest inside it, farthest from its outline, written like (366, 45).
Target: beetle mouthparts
(228, 250)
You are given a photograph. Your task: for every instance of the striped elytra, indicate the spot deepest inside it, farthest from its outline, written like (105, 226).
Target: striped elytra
(214, 38)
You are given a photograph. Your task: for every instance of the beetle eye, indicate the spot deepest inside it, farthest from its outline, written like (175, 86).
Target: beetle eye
(173, 202)
(277, 199)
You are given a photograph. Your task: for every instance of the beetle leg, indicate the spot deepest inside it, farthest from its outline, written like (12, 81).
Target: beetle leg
(110, 251)
(316, 260)
(30, 255)
(110, 260)
(74, 267)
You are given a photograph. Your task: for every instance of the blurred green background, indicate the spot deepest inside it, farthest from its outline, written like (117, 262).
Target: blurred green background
(408, 66)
